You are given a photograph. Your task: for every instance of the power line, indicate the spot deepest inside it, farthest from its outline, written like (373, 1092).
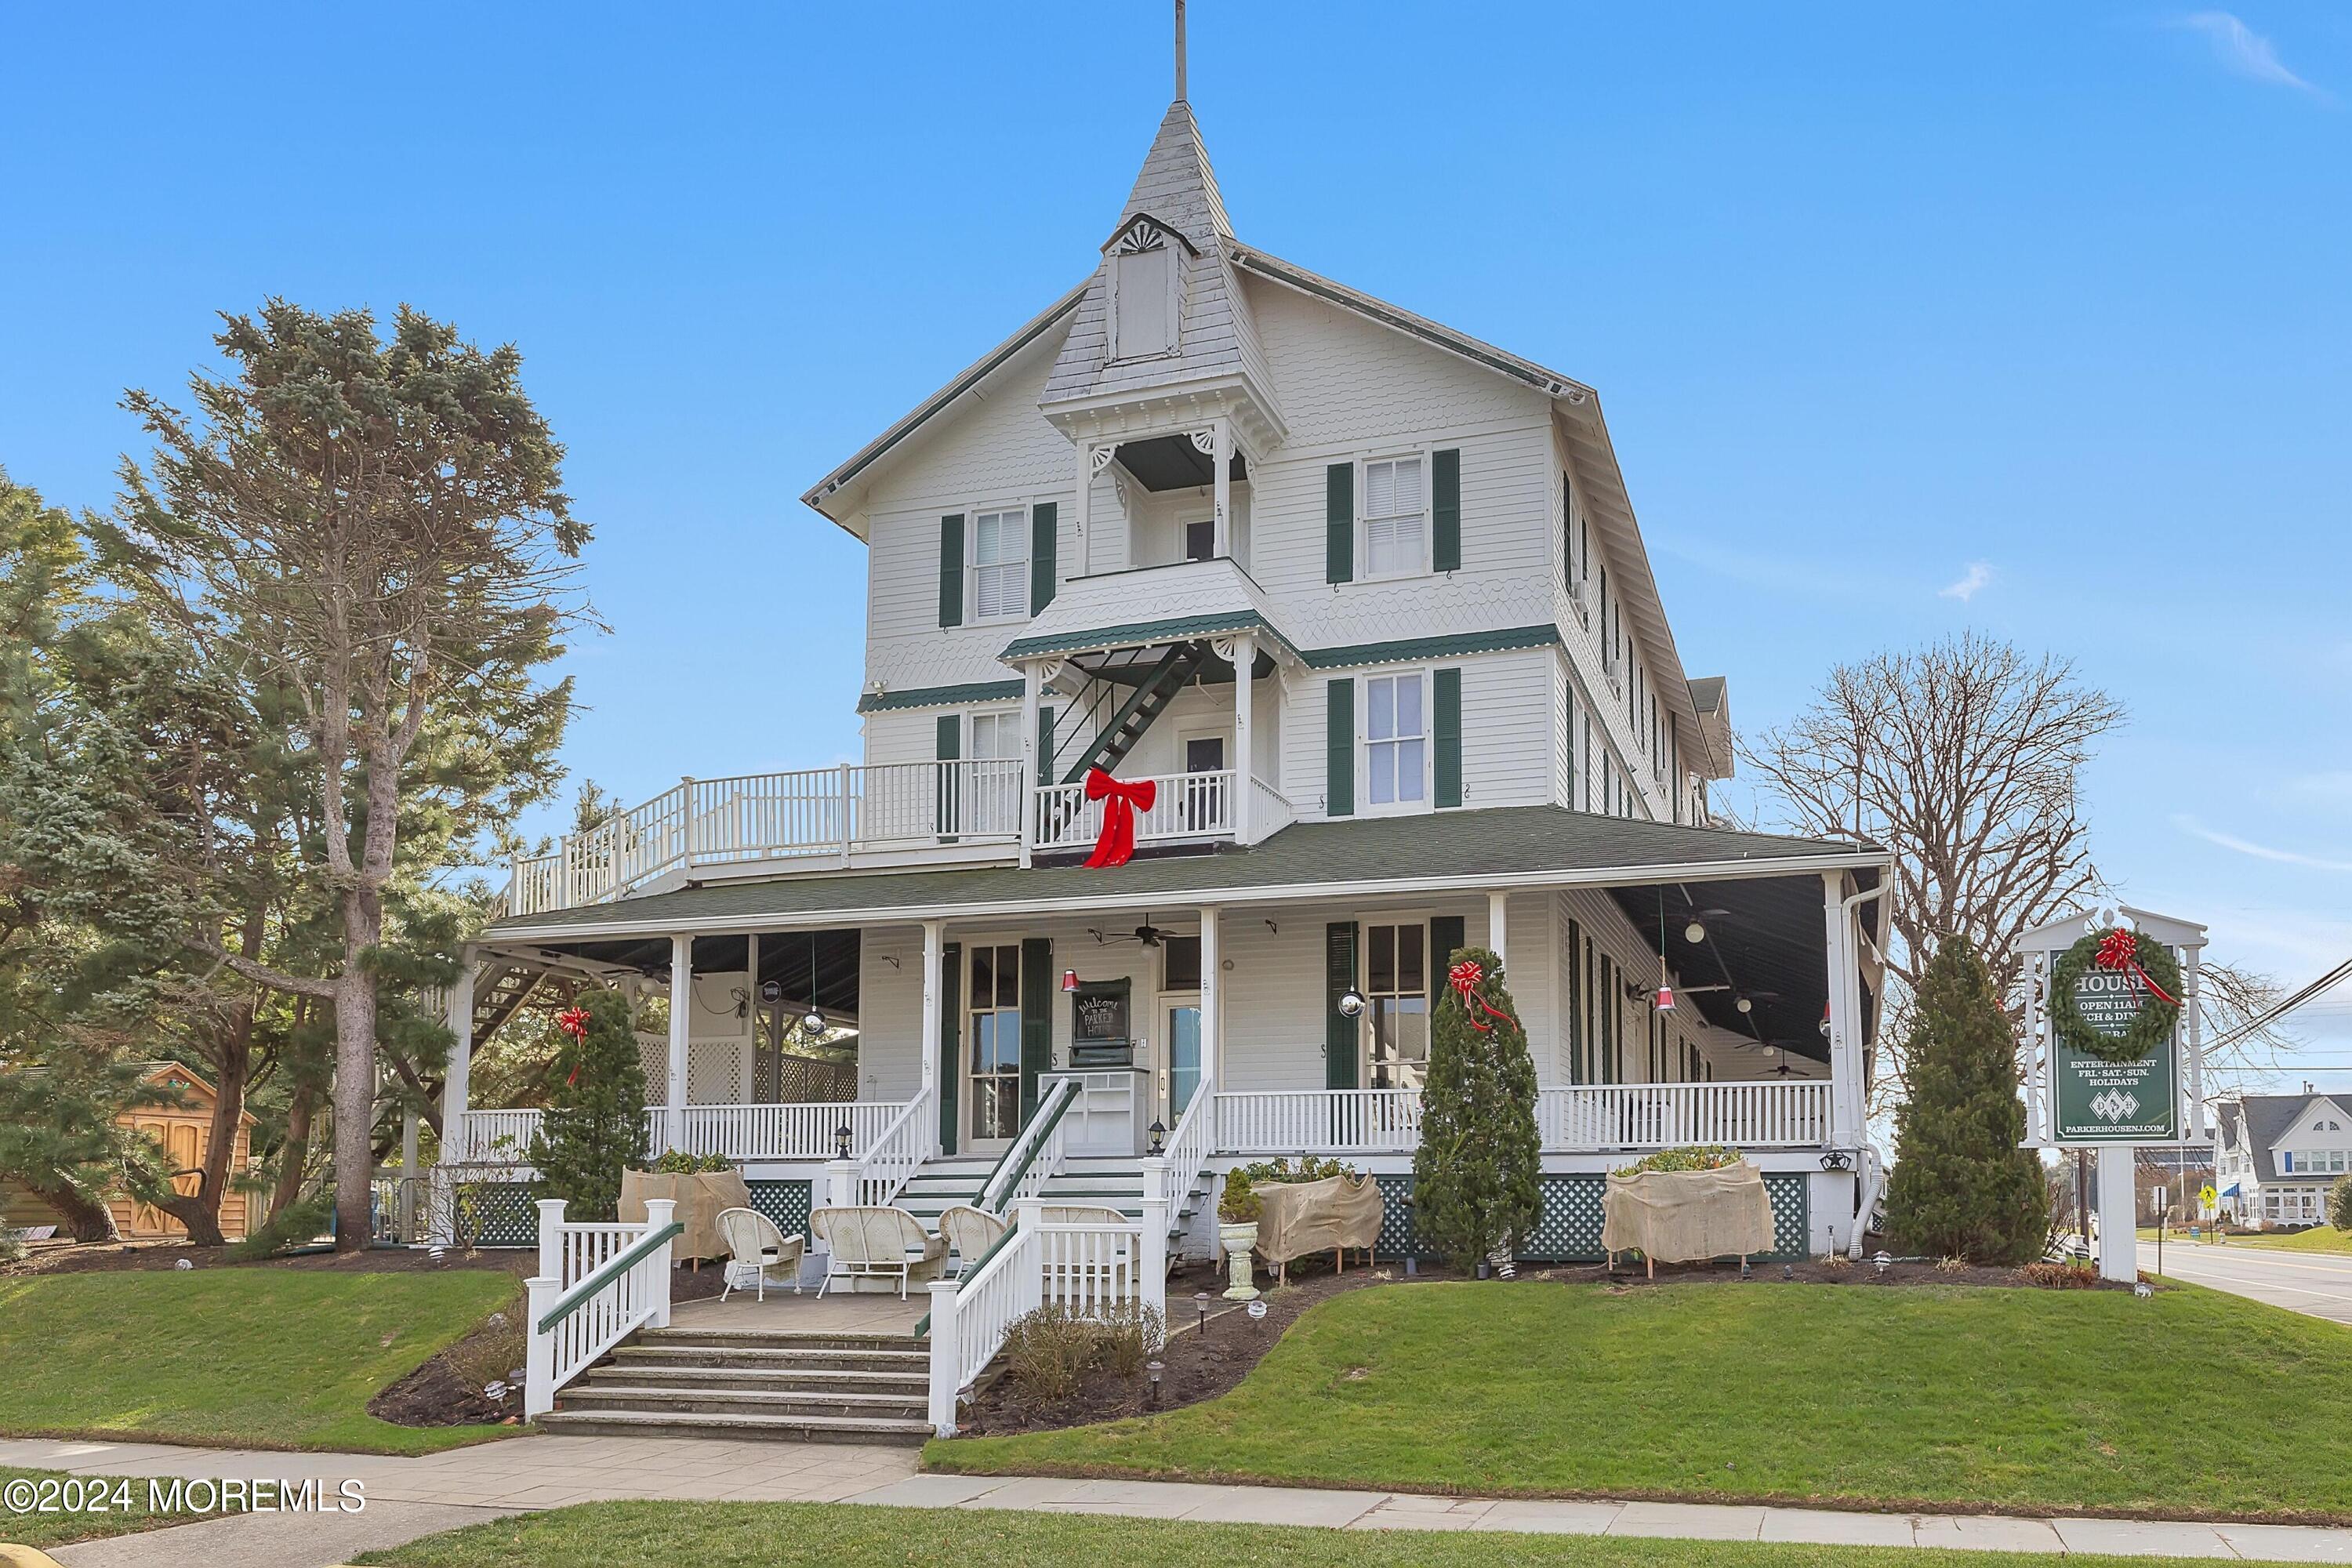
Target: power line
(2263, 1020)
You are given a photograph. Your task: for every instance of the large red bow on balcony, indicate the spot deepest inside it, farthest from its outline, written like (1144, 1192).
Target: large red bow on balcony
(1115, 846)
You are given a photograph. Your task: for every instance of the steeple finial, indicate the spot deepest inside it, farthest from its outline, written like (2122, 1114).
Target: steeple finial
(1179, 50)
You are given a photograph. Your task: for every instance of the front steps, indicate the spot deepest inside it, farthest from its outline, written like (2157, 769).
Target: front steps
(772, 1383)
(1101, 1181)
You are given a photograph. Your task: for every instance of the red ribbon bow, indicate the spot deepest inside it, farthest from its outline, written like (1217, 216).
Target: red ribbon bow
(1115, 846)
(2119, 950)
(573, 1021)
(1465, 976)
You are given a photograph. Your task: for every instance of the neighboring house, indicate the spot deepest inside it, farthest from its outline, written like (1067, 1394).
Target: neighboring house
(1364, 598)
(183, 1132)
(2282, 1153)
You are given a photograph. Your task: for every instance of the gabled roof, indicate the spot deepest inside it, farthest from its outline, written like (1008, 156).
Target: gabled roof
(1175, 188)
(2255, 1123)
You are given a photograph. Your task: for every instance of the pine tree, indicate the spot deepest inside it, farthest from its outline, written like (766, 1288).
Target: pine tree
(1961, 1186)
(595, 1123)
(1475, 1185)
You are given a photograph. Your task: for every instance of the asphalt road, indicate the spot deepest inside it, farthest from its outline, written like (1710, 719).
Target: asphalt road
(2317, 1283)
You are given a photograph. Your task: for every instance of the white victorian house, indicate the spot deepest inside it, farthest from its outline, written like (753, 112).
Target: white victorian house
(2275, 1156)
(1365, 599)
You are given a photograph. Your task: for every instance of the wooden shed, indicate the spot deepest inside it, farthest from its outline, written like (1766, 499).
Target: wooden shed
(184, 1133)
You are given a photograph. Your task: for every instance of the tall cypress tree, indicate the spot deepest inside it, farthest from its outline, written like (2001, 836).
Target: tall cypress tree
(1961, 1186)
(595, 1123)
(1474, 1184)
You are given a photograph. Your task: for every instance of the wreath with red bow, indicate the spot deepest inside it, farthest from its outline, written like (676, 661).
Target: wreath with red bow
(2154, 976)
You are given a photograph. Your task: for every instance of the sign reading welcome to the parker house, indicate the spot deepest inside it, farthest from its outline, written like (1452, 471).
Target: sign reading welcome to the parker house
(2100, 1102)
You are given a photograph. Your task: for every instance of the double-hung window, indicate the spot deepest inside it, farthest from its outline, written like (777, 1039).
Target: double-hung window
(1396, 741)
(1397, 990)
(1396, 518)
(1000, 564)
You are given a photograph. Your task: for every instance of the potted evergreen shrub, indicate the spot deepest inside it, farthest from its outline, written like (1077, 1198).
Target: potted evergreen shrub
(1238, 1207)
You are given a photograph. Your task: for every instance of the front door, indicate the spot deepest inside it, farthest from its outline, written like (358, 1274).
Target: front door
(1206, 807)
(1179, 1067)
(993, 1085)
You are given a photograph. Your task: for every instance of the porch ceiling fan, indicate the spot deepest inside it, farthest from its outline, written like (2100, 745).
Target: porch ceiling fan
(1146, 933)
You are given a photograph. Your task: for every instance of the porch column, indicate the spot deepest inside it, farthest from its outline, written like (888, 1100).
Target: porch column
(1034, 766)
(1497, 918)
(453, 1083)
(1845, 1022)
(1212, 1028)
(1244, 660)
(681, 1021)
(934, 958)
(1221, 441)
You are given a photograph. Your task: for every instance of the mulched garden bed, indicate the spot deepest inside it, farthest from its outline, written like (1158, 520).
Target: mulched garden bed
(1201, 1363)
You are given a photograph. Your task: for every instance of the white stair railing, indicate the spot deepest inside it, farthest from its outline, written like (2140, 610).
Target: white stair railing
(1035, 1155)
(596, 1285)
(1094, 1269)
(872, 1179)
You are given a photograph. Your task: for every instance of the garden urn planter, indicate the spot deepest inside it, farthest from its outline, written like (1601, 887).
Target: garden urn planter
(1238, 1240)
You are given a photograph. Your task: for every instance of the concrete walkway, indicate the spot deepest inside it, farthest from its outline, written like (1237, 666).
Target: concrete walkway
(407, 1498)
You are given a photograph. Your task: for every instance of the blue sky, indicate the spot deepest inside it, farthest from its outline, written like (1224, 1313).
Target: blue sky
(1906, 318)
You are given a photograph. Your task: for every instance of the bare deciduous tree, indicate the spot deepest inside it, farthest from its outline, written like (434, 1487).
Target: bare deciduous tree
(1963, 759)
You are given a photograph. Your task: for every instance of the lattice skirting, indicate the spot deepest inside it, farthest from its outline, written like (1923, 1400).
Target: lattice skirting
(786, 1203)
(1570, 1230)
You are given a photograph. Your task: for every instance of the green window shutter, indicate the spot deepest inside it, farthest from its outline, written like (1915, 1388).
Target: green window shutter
(1339, 523)
(1446, 934)
(1575, 1003)
(1445, 704)
(952, 570)
(1044, 537)
(1610, 1060)
(1567, 739)
(947, 747)
(1445, 511)
(1037, 996)
(1339, 1029)
(1045, 745)
(1340, 747)
(950, 1041)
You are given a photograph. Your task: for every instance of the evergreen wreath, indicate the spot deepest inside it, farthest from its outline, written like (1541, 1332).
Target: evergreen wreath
(2151, 1028)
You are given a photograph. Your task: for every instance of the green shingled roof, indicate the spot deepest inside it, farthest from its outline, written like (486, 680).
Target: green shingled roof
(1305, 860)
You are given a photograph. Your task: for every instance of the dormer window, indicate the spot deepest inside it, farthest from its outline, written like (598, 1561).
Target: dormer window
(1145, 291)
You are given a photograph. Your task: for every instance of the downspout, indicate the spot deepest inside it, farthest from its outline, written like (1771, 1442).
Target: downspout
(1871, 1178)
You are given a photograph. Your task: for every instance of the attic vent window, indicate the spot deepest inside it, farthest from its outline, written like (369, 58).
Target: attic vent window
(1144, 275)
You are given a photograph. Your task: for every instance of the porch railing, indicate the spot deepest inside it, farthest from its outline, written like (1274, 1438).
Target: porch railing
(596, 1285)
(897, 1153)
(811, 813)
(1770, 1114)
(1270, 809)
(1766, 1113)
(1185, 806)
(797, 1131)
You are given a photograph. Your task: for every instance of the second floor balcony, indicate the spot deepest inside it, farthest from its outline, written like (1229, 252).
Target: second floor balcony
(974, 811)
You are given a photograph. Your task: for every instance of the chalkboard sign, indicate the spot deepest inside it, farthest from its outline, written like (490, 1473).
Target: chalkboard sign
(1099, 1035)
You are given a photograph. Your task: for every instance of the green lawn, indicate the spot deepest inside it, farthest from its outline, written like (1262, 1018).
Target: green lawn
(265, 1358)
(2318, 1238)
(100, 1506)
(837, 1535)
(1941, 1395)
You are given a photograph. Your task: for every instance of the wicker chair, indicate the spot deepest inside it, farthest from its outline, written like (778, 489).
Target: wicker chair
(878, 1241)
(970, 1233)
(757, 1251)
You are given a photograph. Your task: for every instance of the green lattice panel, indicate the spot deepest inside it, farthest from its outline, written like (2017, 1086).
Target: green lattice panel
(509, 1215)
(1791, 1195)
(1570, 1229)
(1397, 1239)
(786, 1203)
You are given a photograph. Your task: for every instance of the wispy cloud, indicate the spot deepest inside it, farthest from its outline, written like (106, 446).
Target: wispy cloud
(2259, 851)
(2328, 789)
(1979, 573)
(2245, 52)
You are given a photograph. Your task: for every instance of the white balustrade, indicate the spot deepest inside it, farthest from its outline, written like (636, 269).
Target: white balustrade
(1270, 809)
(795, 1132)
(872, 1179)
(492, 1137)
(596, 1285)
(1762, 1113)
(1184, 805)
(1319, 1121)
(813, 812)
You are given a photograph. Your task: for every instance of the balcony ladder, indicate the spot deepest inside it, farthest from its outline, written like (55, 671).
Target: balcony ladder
(1152, 695)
